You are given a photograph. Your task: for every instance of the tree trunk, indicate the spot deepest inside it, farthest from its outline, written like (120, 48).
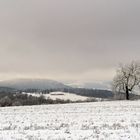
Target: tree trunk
(127, 93)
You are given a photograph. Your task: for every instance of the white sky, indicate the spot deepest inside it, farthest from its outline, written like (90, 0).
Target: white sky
(67, 39)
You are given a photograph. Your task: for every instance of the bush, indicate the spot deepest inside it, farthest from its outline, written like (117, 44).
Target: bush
(5, 101)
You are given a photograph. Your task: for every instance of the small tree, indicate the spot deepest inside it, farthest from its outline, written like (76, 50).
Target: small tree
(127, 78)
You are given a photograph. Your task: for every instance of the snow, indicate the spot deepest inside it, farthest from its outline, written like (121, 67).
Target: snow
(114, 120)
(66, 96)
(61, 95)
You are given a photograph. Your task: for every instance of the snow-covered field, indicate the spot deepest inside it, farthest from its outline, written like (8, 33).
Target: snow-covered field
(61, 95)
(119, 120)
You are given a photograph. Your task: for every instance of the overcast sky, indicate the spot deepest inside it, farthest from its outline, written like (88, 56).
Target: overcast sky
(79, 40)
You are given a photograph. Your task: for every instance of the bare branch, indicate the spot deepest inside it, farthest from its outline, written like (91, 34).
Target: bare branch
(127, 77)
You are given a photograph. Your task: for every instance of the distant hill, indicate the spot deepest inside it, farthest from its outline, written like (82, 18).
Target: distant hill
(23, 84)
(97, 93)
(7, 89)
(12, 86)
(91, 85)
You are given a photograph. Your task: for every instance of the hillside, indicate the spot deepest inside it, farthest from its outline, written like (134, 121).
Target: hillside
(7, 90)
(23, 84)
(62, 96)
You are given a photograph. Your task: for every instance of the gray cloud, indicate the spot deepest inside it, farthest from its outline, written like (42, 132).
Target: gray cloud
(77, 39)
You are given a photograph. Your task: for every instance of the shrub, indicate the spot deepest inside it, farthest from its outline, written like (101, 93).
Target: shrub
(5, 101)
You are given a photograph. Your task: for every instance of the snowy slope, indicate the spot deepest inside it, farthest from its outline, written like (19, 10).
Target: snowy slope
(118, 120)
(62, 96)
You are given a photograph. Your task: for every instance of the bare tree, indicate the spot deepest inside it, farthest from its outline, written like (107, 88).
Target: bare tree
(127, 78)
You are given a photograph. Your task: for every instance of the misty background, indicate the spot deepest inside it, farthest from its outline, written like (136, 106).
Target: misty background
(75, 41)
